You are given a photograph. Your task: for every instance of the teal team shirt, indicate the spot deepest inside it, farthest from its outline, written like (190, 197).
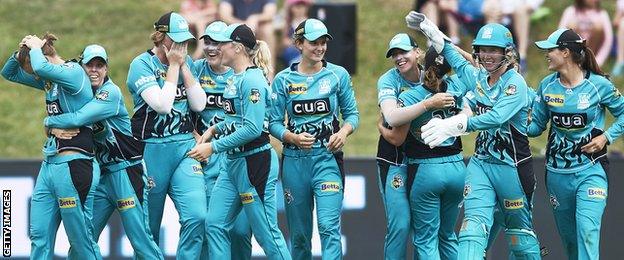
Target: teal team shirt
(576, 116)
(146, 71)
(67, 88)
(501, 111)
(213, 85)
(314, 103)
(246, 100)
(107, 113)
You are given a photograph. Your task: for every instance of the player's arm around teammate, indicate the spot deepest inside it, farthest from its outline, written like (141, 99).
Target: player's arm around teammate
(573, 100)
(69, 174)
(502, 146)
(123, 180)
(251, 167)
(313, 94)
(164, 91)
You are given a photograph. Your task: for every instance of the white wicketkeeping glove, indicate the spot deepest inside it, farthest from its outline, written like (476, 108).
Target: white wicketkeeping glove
(419, 21)
(435, 132)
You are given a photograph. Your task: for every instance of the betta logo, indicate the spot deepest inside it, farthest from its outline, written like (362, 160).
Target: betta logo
(214, 100)
(297, 88)
(514, 204)
(69, 202)
(554, 100)
(197, 169)
(330, 187)
(228, 106)
(125, 204)
(311, 107)
(247, 197)
(568, 120)
(598, 193)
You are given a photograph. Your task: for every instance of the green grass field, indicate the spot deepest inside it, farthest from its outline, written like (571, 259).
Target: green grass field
(123, 28)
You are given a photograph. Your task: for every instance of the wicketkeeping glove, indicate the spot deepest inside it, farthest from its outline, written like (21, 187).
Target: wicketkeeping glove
(435, 132)
(419, 21)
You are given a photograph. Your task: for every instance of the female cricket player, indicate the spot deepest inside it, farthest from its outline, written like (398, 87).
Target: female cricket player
(251, 168)
(500, 172)
(313, 93)
(393, 172)
(573, 99)
(69, 174)
(164, 90)
(122, 180)
(213, 78)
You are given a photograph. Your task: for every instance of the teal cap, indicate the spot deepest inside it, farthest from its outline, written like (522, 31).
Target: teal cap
(312, 29)
(401, 41)
(215, 31)
(495, 35)
(93, 51)
(175, 26)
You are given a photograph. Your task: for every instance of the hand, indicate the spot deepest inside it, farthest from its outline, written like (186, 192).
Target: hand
(65, 134)
(303, 140)
(337, 141)
(207, 136)
(33, 42)
(418, 21)
(435, 132)
(201, 152)
(439, 100)
(177, 54)
(596, 144)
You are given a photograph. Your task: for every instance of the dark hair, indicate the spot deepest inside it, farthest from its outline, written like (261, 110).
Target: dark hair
(580, 4)
(586, 58)
(23, 56)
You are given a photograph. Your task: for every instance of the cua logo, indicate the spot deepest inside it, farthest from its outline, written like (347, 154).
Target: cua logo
(311, 107)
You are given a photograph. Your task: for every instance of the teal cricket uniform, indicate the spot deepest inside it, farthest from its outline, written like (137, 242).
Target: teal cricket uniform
(66, 183)
(313, 104)
(500, 172)
(250, 174)
(167, 140)
(123, 180)
(213, 84)
(393, 173)
(577, 181)
(438, 183)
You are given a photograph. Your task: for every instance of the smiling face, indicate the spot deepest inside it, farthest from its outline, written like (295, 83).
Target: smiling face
(405, 61)
(313, 51)
(96, 69)
(491, 57)
(211, 51)
(556, 58)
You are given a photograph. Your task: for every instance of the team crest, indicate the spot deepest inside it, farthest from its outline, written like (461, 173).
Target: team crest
(467, 190)
(324, 86)
(102, 95)
(397, 181)
(553, 201)
(583, 101)
(288, 196)
(47, 85)
(150, 183)
(511, 90)
(616, 92)
(254, 97)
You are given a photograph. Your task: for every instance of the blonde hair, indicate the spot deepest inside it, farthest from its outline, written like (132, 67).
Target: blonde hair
(157, 37)
(261, 57)
(23, 56)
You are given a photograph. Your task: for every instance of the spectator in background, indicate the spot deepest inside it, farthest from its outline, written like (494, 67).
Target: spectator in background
(589, 20)
(257, 14)
(198, 13)
(618, 22)
(296, 11)
(434, 8)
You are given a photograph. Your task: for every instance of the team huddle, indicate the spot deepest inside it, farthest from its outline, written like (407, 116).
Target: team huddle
(200, 133)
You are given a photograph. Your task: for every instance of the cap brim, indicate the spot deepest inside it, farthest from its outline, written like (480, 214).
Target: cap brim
(400, 47)
(315, 36)
(86, 59)
(545, 45)
(180, 36)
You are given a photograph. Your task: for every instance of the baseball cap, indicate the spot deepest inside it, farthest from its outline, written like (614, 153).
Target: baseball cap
(432, 58)
(237, 32)
(562, 38)
(175, 26)
(401, 41)
(93, 51)
(312, 29)
(215, 30)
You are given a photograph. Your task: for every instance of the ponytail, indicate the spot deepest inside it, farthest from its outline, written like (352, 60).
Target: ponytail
(431, 80)
(261, 57)
(157, 37)
(23, 55)
(587, 60)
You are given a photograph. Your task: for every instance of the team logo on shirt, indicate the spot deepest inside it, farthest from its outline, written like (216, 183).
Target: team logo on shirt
(197, 169)
(513, 204)
(207, 82)
(288, 196)
(330, 186)
(254, 96)
(511, 90)
(482, 108)
(228, 106)
(597, 193)
(102, 95)
(53, 107)
(297, 88)
(554, 100)
(583, 101)
(180, 92)
(553, 201)
(151, 183)
(311, 106)
(246, 197)
(47, 85)
(125, 204)
(65, 203)
(324, 86)
(397, 181)
(386, 92)
(214, 100)
(568, 120)
(467, 190)
(616, 92)
(479, 89)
